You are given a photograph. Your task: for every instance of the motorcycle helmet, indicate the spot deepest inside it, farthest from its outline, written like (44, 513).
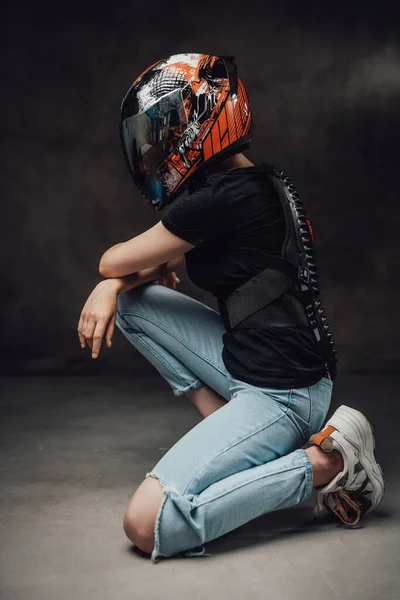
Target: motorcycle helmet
(180, 116)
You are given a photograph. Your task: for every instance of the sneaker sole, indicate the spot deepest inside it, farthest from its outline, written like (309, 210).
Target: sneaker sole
(354, 427)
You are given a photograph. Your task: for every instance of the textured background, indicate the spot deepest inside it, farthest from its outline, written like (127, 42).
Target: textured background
(324, 81)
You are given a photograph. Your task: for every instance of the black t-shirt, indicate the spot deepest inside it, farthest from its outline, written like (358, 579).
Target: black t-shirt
(235, 222)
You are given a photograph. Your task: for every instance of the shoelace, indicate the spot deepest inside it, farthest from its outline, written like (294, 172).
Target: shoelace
(348, 507)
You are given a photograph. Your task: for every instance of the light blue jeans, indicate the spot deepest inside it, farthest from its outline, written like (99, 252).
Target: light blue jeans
(242, 461)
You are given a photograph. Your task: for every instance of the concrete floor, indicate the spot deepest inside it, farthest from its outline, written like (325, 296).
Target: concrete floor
(74, 449)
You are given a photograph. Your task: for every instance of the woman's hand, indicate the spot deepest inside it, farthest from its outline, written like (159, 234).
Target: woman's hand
(97, 320)
(168, 279)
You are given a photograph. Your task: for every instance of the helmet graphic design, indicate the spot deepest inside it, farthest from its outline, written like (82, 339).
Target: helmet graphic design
(178, 117)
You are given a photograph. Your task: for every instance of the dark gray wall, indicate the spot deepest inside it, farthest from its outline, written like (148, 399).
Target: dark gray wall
(324, 81)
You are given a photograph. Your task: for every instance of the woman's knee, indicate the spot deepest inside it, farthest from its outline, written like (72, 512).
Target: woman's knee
(137, 303)
(128, 299)
(129, 305)
(141, 514)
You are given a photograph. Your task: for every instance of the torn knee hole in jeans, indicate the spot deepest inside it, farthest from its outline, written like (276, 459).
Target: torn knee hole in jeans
(166, 488)
(156, 554)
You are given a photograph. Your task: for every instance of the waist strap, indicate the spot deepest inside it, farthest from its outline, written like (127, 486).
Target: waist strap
(255, 304)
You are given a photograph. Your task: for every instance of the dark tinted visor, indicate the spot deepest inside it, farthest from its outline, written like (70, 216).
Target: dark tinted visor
(150, 137)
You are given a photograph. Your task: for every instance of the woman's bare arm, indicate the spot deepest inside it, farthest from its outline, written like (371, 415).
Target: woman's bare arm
(154, 247)
(151, 274)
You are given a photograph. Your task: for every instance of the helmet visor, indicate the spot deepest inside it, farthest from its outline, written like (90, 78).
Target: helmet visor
(149, 137)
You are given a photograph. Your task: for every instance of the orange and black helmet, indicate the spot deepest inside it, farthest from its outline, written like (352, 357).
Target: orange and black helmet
(179, 116)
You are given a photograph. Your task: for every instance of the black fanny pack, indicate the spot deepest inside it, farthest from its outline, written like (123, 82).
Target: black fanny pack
(286, 292)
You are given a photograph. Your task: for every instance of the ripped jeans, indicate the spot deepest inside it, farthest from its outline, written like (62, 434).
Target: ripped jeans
(243, 460)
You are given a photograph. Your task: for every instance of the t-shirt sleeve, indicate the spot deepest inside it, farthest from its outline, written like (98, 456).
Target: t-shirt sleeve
(198, 218)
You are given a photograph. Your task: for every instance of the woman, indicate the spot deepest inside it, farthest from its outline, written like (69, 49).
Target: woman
(262, 381)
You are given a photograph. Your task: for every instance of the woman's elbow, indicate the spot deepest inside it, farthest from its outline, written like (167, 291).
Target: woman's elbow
(106, 268)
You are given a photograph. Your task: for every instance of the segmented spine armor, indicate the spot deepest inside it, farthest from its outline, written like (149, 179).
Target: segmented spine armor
(309, 278)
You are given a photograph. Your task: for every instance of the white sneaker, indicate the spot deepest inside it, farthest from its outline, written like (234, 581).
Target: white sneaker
(359, 488)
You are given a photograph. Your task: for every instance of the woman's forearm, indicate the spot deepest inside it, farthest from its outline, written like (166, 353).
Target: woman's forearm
(124, 284)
